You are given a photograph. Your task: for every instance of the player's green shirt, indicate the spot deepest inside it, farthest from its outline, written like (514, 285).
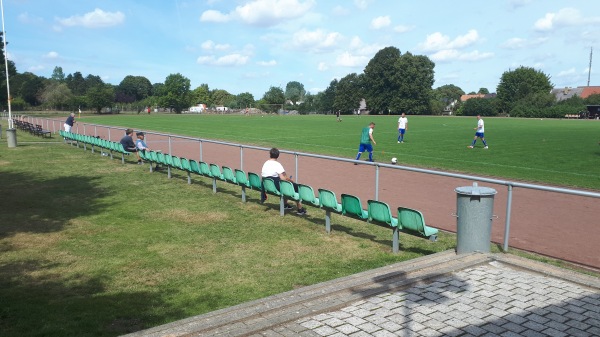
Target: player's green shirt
(364, 137)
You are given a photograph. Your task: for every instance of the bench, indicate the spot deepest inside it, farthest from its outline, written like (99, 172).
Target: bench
(39, 131)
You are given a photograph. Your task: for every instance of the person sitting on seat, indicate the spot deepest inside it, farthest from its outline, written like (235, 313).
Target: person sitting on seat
(273, 169)
(129, 145)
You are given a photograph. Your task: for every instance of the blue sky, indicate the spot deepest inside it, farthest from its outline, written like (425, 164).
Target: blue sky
(251, 45)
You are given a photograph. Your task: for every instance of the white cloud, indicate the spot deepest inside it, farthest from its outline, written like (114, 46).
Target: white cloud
(262, 12)
(210, 45)
(568, 72)
(26, 18)
(453, 54)
(348, 60)
(340, 11)
(565, 17)
(51, 55)
(438, 42)
(380, 22)
(214, 16)
(362, 4)
(224, 61)
(316, 41)
(267, 63)
(403, 29)
(322, 66)
(96, 19)
(519, 43)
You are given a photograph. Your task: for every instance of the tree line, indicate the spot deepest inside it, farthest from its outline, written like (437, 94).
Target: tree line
(391, 83)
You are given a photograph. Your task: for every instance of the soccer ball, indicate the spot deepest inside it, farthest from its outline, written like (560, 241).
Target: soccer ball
(394, 160)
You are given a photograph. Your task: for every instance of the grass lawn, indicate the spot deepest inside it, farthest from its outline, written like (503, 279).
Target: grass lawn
(91, 247)
(557, 152)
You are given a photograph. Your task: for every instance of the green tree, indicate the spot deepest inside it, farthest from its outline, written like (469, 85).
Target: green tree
(448, 93)
(100, 96)
(93, 81)
(535, 105)
(479, 106)
(348, 94)
(593, 99)
(56, 95)
(380, 87)
(220, 97)
(326, 101)
(28, 86)
(519, 83)
(132, 89)
(176, 93)
(413, 79)
(245, 100)
(294, 91)
(12, 71)
(483, 91)
(201, 95)
(273, 99)
(58, 75)
(76, 83)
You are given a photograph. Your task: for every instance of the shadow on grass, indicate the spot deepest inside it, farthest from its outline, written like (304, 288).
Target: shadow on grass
(43, 206)
(37, 299)
(53, 305)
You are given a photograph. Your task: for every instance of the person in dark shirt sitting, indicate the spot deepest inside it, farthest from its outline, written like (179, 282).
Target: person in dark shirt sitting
(129, 145)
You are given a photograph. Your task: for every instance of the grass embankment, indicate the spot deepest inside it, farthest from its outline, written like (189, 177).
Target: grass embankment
(91, 247)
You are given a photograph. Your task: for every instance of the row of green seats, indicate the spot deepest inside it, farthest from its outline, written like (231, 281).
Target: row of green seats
(408, 220)
(100, 143)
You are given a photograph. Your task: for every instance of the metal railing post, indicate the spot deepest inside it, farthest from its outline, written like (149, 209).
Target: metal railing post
(507, 221)
(376, 182)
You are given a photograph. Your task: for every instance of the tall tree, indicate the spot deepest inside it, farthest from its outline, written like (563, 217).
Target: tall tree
(245, 100)
(294, 91)
(12, 71)
(220, 97)
(176, 93)
(483, 91)
(327, 100)
(519, 83)
(412, 76)
(380, 87)
(57, 74)
(56, 95)
(273, 99)
(28, 86)
(349, 93)
(201, 95)
(133, 88)
(448, 93)
(100, 96)
(76, 83)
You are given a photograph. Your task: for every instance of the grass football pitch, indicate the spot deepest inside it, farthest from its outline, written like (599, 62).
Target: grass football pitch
(548, 151)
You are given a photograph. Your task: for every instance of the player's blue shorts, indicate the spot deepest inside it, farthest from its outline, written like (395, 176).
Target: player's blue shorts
(402, 131)
(479, 134)
(365, 147)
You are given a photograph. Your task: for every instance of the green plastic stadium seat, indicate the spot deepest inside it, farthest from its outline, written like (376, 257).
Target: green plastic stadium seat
(185, 166)
(270, 188)
(228, 175)
(241, 179)
(254, 181)
(351, 206)
(287, 189)
(328, 202)
(413, 220)
(379, 212)
(194, 167)
(204, 169)
(215, 172)
(307, 195)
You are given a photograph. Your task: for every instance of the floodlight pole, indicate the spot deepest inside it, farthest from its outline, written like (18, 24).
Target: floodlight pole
(11, 133)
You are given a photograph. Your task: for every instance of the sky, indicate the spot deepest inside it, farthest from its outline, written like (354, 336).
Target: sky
(252, 45)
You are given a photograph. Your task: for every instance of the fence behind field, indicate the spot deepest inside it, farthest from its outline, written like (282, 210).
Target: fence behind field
(553, 221)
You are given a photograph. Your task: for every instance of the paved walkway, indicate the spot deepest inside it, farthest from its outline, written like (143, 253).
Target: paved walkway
(439, 295)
